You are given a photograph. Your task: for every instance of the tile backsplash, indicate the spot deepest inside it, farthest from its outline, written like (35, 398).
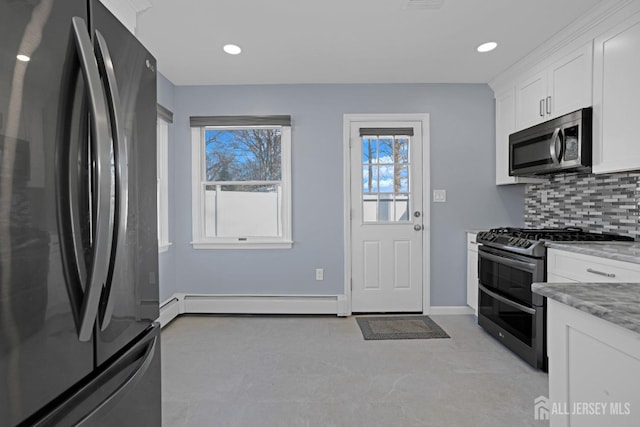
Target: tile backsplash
(607, 203)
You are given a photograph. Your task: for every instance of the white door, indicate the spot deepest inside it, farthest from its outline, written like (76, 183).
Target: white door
(386, 216)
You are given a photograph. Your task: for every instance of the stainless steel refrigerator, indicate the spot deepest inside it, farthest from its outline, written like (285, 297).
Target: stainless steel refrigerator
(78, 231)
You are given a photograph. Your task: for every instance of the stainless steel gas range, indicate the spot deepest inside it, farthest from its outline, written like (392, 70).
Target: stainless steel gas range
(509, 261)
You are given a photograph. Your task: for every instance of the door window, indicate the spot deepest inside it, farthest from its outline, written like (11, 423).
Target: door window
(385, 178)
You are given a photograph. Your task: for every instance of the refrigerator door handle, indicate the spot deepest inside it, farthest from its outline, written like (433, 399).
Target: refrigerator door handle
(94, 400)
(128, 384)
(121, 163)
(100, 143)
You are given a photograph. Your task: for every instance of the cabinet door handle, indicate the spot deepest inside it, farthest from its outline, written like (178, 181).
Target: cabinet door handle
(542, 108)
(548, 104)
(474, 243)
(600, 273)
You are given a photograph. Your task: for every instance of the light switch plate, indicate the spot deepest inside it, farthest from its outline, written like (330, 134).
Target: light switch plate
(439, 196)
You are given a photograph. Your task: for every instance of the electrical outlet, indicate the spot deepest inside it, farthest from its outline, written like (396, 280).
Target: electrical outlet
(319, 274)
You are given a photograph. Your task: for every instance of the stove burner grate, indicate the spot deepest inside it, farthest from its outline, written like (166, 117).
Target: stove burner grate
(568, 234)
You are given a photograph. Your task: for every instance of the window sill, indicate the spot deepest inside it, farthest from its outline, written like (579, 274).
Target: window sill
(242, 245)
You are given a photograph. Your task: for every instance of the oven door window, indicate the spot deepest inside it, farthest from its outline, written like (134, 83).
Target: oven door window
(510, 278)
(516, 322)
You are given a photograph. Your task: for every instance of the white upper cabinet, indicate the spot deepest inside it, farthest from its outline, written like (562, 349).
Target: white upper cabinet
(570, 82)
(560, 88)
(532, 95)
(506, 125)
(616, 95)
(595, 61)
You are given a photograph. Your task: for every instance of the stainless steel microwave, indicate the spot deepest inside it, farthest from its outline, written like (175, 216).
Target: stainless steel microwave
(560, 145)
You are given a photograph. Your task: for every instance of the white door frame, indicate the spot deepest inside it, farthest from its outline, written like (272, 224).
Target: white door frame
(426, 190)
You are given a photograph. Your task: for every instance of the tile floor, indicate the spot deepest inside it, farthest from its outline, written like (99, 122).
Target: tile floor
(319, 371)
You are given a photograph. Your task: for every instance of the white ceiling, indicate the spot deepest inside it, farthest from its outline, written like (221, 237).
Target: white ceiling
(346, 41)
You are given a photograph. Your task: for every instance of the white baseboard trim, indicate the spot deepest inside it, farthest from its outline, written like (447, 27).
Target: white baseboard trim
(170, 309)
(251, 304)
(439, 310)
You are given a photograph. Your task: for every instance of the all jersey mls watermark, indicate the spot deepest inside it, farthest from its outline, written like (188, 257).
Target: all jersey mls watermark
(545, 408)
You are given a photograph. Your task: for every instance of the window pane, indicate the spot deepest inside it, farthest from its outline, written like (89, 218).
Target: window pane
(401, 179)
(243, 154)
(402, 150)
(386, 149)
(243, 210)
(369, 150)
(370, 179)
(394, 179)
(210, 210)
(385, 208)
(386, 179)
(402, 207)
(370, 208)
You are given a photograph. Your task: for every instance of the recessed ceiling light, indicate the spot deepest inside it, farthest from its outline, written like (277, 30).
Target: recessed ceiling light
(487, 47)
(232, 49)
(23, 58)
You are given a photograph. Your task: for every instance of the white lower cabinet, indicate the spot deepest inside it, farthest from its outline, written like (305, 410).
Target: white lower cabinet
(594, 365)
(472, 272)
(564, 266)
(594, 370)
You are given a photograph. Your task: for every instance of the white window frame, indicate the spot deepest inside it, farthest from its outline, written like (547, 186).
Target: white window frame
(163, 184)
(200, 240)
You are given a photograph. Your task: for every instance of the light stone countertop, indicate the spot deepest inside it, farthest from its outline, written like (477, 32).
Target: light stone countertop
(618, 303)
(476, 231)
(620, 251)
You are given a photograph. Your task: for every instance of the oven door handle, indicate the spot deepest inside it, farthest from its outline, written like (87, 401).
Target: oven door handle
(527, 266)
(507, 301)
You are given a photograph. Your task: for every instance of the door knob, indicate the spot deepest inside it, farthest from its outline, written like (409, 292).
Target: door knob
(417, 227)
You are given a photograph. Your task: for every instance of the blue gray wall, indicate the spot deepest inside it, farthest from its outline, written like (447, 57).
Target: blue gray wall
(166, 260)
(462, 162)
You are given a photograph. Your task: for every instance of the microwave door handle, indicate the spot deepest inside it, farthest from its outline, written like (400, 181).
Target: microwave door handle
(555, 149)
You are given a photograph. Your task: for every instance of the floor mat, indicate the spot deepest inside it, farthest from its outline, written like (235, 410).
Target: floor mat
(399, 328)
